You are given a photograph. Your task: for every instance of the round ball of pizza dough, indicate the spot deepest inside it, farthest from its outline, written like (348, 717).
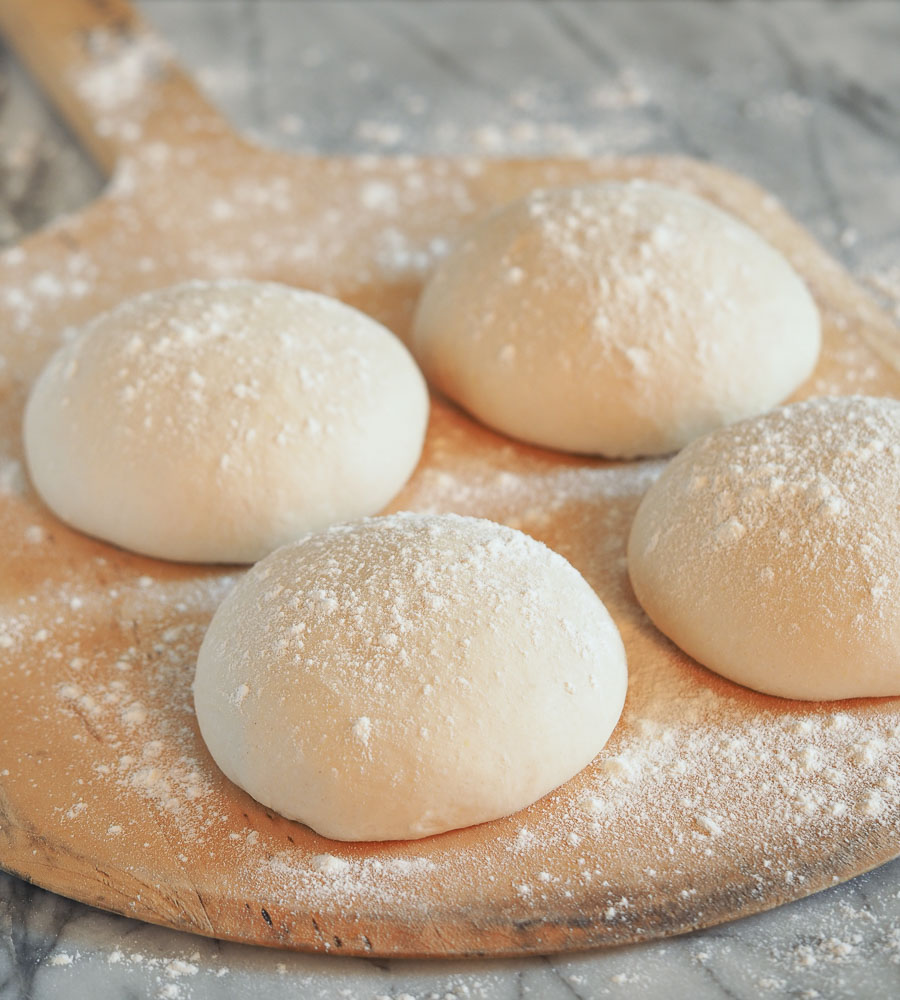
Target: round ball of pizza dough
(770, 550)
(619, 319)
(405, 675)
(215, 421)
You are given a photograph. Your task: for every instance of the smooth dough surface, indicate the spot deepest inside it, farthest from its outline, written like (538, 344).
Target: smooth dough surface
(215, 421)
(406, 675)
(770, 551)
(619, 319)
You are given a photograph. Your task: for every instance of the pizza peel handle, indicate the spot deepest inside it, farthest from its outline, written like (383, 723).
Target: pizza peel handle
(114, 80)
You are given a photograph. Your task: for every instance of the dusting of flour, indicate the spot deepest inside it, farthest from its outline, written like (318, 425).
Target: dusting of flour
(700, 777)
(709, 801)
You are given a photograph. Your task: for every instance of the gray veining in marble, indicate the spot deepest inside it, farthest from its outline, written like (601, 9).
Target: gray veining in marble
(801, 95)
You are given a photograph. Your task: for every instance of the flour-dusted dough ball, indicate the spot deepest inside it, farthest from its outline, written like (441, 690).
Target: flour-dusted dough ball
(215, 421)
(405, 675)
(619, 319)
(770, 551)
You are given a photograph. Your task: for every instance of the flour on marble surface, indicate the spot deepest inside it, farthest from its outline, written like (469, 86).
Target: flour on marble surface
(885, 283)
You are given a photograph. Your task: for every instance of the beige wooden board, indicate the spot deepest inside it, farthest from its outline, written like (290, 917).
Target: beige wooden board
(709, 803)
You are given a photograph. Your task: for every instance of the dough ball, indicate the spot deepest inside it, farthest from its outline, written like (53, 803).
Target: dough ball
(615, 319)
(215, 421)
(770, 551)
(406, 675)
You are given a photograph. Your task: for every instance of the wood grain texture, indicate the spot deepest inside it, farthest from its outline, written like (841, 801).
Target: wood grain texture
(100, 649)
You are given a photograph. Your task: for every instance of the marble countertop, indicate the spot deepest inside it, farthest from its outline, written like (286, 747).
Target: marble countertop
(801, 95)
